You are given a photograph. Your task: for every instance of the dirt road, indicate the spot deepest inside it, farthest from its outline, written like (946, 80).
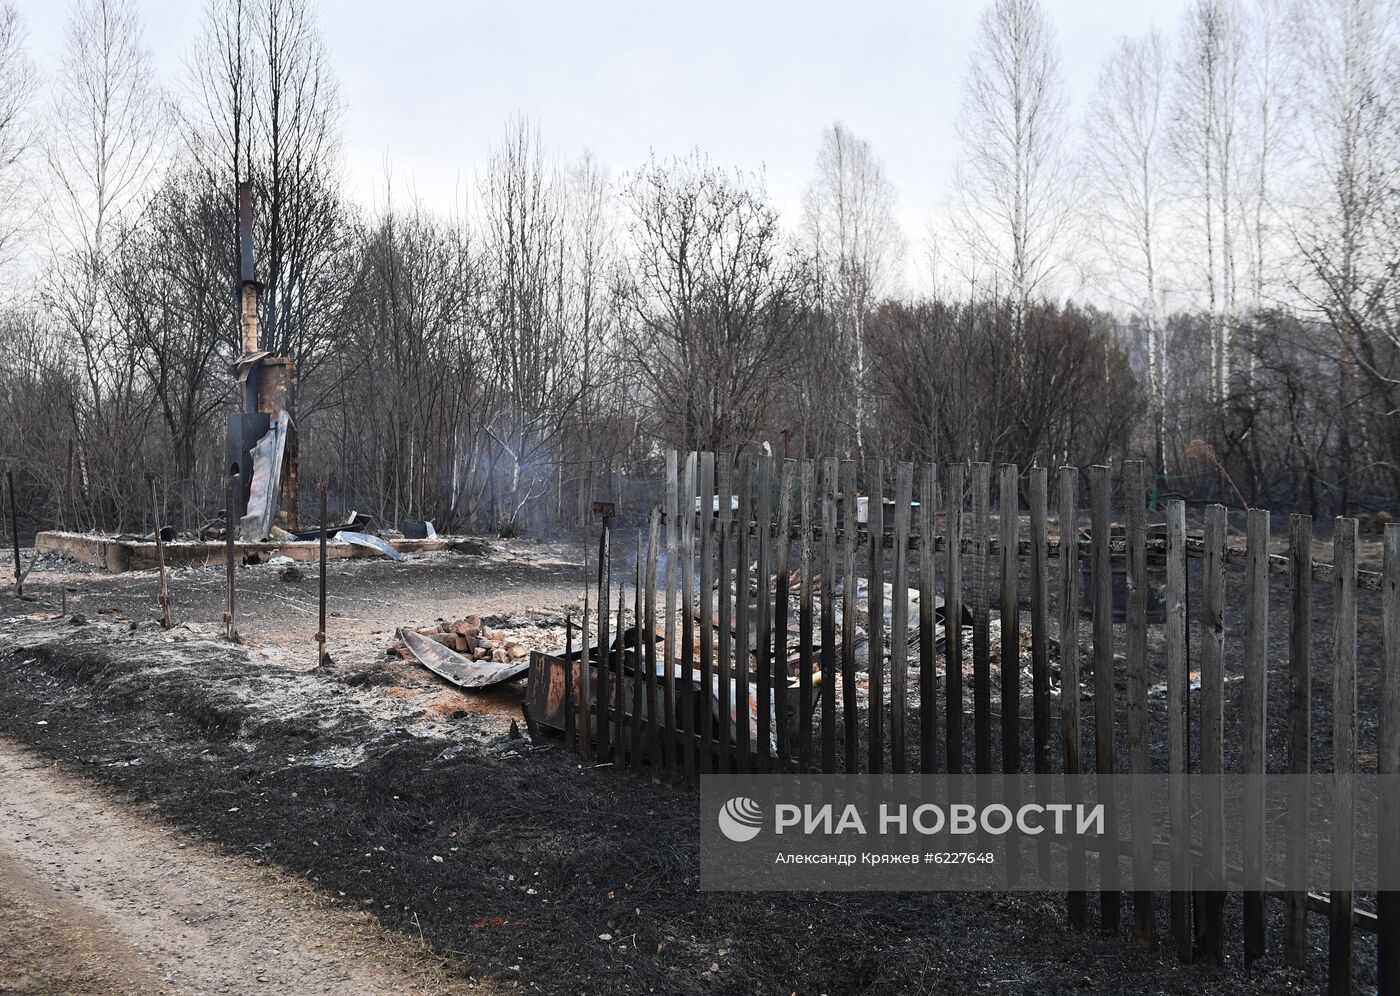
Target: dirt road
(93, 900)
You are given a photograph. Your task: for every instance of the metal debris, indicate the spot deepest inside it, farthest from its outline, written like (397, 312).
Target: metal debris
(453, 667)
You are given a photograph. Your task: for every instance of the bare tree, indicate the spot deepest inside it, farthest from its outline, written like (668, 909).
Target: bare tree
(534, 346)
(101, 145)
(1205, 97)
(714, 303)
(1348, 51)
(1125, 136)
(266, 108)
(848, 221)
(1266, 153)
(1015, 189)
(17, 86)
(168, 289)
(593, 259)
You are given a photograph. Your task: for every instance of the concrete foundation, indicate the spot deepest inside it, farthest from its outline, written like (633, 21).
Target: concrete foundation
(119, 555)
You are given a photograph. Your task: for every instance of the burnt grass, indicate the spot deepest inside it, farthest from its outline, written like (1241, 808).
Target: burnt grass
(541, 856)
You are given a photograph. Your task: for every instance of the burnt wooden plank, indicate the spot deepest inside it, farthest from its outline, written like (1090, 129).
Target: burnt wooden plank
(724, 488)
(1178, 728)
(668, 648)
(952, 621)
(570, 696)
(585, 678)
(1040, 651)
(763, 645)
(1388, 766)
(1009, 524)
(1070, 723)
(981, 619)
(1100, 498)
(1340, 931)
(1135, 499)
(1253, 714)
(875, 602)
(621, 754)
(649, 636)
(899, 618)
(830, 485)
(743, 552)
(806, 705)
(952, 616)
(706, 609)
(604, 689)
(780, 616)
(849, 706)
(1295, 924)
(1210, 900)
(685, 723)
(928, 594)
(638, 679)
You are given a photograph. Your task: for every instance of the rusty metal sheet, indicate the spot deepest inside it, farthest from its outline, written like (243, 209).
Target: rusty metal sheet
(453, 667)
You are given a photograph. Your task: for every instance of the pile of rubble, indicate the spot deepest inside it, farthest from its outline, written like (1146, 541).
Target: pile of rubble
(472, 639)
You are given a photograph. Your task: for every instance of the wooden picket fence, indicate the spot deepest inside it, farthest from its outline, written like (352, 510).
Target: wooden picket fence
(787, 530)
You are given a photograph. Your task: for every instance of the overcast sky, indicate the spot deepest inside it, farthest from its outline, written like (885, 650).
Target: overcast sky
(428, 86)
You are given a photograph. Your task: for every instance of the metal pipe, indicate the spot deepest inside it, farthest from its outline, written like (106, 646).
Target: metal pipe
(165, 619)
(14, 531)
(230, 553)
(322, 658)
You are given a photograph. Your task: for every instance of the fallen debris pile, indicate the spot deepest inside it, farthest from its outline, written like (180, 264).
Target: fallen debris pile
(470, 638)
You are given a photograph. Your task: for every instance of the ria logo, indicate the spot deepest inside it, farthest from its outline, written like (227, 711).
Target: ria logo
(740, 819)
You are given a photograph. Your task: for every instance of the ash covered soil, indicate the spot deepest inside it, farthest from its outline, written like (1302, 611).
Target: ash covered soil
(392, 795)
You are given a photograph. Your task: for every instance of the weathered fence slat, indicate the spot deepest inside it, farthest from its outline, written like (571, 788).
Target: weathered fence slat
(622, 756)
(849, 705)
(763, 645)
(1040, 650)
(1009, 520)
(585, 679)
(648, 629)
(570, 694)
(828, 615)
(875, 661)
(741, 614)
(928, 650)
(724, 485)
(981, 619)
(604, 690)
(638, 681)
(1388, 765)
(1178, 728)
(1069, 674)
(1254, 692)
(1100, 495)
(1211, 899)
(1295, 932)
(1339, 946)
(668, 648)
(780, 616)
(685, 724)
(899, 617)
(1135, 497)
(806, 705)
(706, 614)
(952, 616)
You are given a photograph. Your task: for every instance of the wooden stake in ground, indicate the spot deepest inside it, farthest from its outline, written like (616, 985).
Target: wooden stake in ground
(322, 658)
(14, 532)
(230, 521)
(165, 619)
